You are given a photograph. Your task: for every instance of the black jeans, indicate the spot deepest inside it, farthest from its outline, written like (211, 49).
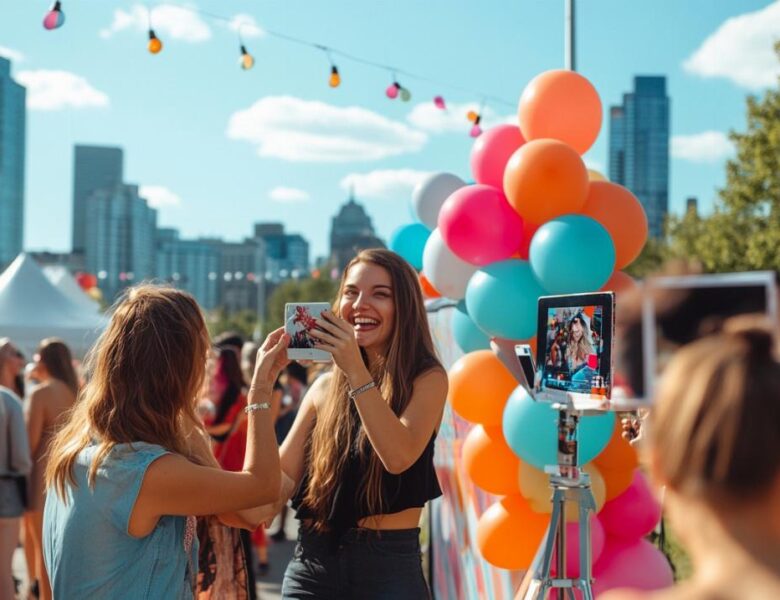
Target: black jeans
(361, 564)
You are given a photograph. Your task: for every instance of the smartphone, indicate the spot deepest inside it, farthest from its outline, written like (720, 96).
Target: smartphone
(506, 352)
(526, 359)
(299, 319)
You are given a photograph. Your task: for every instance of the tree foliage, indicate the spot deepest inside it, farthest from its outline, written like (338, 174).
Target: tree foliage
(321, 289)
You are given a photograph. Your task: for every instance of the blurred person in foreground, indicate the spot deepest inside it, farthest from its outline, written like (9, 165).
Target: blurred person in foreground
(360, 453)
(133, 467)
(713, 443)
(15, 462)
(46, 409)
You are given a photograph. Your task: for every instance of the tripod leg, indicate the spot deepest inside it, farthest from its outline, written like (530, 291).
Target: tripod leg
(552, 534)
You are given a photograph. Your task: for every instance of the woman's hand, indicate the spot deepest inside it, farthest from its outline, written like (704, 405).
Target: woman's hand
(271, 359)
(337, 336)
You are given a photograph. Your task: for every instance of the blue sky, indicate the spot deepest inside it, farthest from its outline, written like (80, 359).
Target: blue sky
(218, 149)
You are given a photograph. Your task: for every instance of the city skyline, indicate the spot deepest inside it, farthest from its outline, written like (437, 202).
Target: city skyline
(188, 119)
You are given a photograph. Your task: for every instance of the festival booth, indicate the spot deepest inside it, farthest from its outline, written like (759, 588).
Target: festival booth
(32, 308)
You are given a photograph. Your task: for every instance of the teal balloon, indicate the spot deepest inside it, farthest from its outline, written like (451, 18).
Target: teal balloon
(531, 431)
(467, 335)
(409, 242)
(572, 254)
(502, 299)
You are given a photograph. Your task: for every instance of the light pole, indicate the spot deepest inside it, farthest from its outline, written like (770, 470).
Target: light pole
(569, 37)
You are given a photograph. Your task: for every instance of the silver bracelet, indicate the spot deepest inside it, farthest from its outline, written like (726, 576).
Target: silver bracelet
(363, 388)
(250, 408)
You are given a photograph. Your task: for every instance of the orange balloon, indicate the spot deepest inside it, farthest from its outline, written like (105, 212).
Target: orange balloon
(562, 105)
(489, 462)
(617, 463)
(617, 481)
(621, 214)
(545, 179)
(594, 175)
(509, 533)
(427, 287)
(479, 387)
(620, 283)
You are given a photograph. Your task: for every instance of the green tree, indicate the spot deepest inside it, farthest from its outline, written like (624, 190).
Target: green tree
(321, 289)
(743, 232)
(245, 322)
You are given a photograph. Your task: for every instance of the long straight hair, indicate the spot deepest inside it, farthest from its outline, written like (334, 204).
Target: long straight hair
(146, 370)
(55, 356)
(410, 352)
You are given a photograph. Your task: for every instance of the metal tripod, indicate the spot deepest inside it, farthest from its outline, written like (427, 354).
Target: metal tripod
(569, 484)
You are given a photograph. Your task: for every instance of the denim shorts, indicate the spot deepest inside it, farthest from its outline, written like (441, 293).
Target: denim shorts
(361, 564)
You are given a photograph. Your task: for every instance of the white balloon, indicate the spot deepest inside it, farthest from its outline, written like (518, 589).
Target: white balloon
(447, 273)
(430, 194)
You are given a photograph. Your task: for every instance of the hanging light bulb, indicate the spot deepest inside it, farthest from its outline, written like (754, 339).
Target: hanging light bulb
(335, 78)
(55, 18)
(392, 90)
(476, 130)
(155, 45)
(472, 116)
(246, 60)
(439, 103)
(406, 95)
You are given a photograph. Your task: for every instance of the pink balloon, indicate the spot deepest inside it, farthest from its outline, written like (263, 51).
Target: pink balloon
(491, 152)
(597, 540)
(634, 513)
(635, 564)
(479, 226)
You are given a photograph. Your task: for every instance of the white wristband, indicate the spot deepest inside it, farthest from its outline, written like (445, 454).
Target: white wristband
(250, 408)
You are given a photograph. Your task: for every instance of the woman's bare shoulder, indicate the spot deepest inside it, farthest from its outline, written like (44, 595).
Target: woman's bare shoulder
(318, 391)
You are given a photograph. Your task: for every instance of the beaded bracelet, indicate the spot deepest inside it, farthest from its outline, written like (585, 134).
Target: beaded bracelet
(363, 388)
(249, 408)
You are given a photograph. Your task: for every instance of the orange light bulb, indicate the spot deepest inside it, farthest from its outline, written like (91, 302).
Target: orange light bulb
(155, 45)
(472, 116)
(335, 78)
(246, 61)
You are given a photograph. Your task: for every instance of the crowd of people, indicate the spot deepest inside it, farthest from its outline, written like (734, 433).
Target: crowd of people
(153, 471)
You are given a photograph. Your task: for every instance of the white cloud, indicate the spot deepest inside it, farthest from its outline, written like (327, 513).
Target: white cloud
(288, 194)
(54, 90)
(160, 196)
(741, 50)
(168, 21)
(246, 26)
(384, 184)
(309, 131)
(705, 147)
(11, 54)
(427, 117)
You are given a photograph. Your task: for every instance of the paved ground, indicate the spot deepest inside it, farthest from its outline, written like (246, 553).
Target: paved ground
(269, 587)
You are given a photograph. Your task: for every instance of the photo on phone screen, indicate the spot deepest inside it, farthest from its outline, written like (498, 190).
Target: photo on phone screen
(299, 319)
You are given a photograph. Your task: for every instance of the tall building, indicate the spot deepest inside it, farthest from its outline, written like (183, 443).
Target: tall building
(287, 254)
(94, 168)
(191, 265)
(639, 147)
(241, 275)
(13, 120)
(120, 235)
(351, 231)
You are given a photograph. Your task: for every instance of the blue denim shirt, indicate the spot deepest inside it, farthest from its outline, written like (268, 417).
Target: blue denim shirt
(87, 548)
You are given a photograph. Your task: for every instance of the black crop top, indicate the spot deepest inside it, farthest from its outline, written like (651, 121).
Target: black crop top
(410, 489)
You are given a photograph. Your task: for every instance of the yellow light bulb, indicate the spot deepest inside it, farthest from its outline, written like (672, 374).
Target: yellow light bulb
(335, 78)
(155, 45)
(246, 61)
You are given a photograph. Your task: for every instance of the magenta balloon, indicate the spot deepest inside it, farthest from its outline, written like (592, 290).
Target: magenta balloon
(634, 513)
(492, 151)
(479, 226)
(597, 540)
(633, 564)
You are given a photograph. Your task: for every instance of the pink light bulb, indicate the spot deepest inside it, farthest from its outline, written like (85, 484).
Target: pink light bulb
(438, 101)
(54, 18)
(476, 131)
(392, 90)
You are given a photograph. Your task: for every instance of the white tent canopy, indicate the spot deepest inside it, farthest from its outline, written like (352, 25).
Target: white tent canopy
(64, 282)
(32, 308)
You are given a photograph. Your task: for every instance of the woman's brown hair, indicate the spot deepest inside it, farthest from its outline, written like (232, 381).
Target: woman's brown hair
(410, 352)
(145, 372)
(716, 423)
(56, 357)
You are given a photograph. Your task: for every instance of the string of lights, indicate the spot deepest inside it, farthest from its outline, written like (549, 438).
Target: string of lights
(55, 18)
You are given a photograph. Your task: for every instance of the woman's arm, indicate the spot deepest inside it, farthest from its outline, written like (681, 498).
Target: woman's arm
(293, 450)
(174, 485)
(35, 417)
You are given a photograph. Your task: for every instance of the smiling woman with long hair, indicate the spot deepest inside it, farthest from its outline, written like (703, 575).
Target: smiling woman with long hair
(132, 468)
(360, 452)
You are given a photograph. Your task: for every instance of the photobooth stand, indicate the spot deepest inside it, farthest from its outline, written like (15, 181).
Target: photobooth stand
(570, 485)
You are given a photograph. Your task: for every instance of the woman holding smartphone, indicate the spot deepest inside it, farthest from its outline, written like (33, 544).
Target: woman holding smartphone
(131, 470)
(360, 452)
